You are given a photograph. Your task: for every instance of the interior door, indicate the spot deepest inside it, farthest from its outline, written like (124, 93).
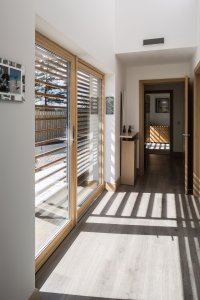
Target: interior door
(146, 128)
(187, 137)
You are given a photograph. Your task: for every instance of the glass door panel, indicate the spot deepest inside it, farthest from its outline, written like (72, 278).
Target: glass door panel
(52, 136)
(89, 135)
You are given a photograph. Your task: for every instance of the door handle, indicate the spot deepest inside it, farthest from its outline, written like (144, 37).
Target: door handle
(73, 134)
(186, 134)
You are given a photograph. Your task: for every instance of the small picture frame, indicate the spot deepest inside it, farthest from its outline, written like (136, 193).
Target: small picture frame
(110, 105)
(12, 81)
(162, 105)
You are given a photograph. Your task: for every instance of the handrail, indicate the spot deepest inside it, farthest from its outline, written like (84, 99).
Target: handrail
(45, 142)
(49, 152)
(49, 164)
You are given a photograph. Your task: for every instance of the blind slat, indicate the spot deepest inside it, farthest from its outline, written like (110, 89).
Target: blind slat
(88, 95)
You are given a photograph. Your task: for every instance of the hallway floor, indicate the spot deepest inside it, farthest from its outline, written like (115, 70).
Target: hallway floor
(157, 146)
(141, 242)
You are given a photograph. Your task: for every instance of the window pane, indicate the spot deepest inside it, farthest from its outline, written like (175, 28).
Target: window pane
(89, 135)
(51, 145)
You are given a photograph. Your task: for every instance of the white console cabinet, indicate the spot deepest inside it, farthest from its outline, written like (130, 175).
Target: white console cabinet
(128, 158)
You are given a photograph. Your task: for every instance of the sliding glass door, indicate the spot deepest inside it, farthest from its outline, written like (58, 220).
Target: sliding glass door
(68, 143)
(53, 142)
(89, 133)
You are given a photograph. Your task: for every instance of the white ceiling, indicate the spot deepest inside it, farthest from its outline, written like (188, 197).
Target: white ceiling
(156, 57)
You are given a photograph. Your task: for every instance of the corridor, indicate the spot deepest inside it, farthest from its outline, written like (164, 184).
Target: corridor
(141, 242)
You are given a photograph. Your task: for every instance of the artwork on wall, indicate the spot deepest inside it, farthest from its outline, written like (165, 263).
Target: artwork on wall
(162, 105)
(12, 81)
(110, 105)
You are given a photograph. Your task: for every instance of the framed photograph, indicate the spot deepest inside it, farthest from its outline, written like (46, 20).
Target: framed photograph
(162, 105)
(15, 81)
(12, 81)
(4, 79)
(110, 105)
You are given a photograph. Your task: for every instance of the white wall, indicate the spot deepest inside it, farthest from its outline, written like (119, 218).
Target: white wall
(84, 27)
(109, 157)
(137, 20)
(158, 118)
(134, 74)
(119, 87)
(196, 57)
(17, 157)
(114, 86)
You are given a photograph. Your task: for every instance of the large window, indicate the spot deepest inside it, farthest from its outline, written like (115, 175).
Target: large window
(52, 124)
(68, 143)
(89, 134)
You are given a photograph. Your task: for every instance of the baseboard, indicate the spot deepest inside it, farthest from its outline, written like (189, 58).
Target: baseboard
(35, 295)
(112, 187)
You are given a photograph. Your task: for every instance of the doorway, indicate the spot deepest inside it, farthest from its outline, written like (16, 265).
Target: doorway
(196, 174)
(179, 141)
(158, 122)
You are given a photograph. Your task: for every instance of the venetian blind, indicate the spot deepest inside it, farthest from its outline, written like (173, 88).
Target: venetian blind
(51, 94)
(89, 123)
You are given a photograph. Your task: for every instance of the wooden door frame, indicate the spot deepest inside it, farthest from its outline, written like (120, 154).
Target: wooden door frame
(196, 126)
(50, 247)
(82, 65)
(142, 83)
(171, 110)
(75, 214)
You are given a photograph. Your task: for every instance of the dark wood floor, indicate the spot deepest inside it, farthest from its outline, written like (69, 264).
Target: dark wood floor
(164, 173)
(141, 242)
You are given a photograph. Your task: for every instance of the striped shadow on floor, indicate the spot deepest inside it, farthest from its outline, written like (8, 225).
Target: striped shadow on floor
(129, 245)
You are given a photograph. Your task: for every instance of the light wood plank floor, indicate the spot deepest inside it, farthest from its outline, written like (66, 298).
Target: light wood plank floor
(141, 242)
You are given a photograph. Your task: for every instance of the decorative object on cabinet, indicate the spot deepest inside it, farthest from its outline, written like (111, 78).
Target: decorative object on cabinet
(123, 112)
